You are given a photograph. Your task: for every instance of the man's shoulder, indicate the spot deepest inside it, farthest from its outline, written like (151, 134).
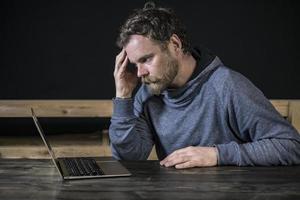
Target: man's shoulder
(224, 73)
(225, 79)
(229, 83)
(223, 76)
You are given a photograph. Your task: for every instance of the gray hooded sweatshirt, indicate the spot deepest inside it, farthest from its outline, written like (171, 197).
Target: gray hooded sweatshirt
(216, 107)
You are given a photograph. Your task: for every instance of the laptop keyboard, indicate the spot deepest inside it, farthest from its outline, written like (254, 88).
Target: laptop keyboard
(82, 167)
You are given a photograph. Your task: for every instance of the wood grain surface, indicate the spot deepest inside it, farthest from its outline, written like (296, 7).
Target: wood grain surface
(38, 179)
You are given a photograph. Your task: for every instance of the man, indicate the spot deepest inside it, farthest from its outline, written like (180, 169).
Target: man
(196, 111)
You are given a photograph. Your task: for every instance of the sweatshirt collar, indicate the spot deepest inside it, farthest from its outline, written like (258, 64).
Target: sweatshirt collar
(207, 63)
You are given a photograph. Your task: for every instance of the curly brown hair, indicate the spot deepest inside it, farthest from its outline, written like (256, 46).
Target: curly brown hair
(156, 23)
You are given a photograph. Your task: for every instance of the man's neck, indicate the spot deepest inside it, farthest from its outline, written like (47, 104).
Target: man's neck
(186, 68)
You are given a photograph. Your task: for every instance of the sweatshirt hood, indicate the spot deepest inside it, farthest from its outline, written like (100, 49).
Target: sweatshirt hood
(206, 64)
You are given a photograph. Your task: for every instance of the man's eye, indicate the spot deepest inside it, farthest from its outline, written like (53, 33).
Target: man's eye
(148, 59)
(143, 60)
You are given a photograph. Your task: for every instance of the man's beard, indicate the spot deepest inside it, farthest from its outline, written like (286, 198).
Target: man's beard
(157, 85)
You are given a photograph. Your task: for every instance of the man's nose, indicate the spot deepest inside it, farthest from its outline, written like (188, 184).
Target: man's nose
(142, 71)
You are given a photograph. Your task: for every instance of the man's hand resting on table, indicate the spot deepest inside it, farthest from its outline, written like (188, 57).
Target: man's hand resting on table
(192, 157)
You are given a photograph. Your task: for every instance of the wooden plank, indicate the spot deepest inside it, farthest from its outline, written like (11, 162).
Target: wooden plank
(79, 108)
(88, 144)
(282, 106)
(294, 114)
(153, 155)
(41, 152)
(84, 144)
(56, 108)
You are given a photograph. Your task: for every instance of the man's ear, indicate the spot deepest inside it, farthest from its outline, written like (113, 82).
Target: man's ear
(175, 43)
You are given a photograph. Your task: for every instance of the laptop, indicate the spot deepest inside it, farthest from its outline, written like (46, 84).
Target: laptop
(70, 168)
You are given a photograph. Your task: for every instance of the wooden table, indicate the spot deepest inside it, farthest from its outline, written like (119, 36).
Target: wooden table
(38, 179)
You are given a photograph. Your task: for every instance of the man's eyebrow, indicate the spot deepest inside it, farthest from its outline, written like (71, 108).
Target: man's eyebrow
(143, 58)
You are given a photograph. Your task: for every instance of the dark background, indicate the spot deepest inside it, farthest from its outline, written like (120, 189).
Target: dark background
(66, 49)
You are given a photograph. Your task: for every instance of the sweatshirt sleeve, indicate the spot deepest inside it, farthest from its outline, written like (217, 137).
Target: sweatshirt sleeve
(266, 137)
(129, 134)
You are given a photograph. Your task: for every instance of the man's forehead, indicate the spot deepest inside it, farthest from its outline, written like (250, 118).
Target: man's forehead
(139, 46)
(134, 39)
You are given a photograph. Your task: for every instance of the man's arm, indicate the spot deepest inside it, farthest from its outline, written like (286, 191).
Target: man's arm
(268, 138)
(129, 134)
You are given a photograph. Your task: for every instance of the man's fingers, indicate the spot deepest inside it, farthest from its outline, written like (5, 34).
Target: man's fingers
(177, 153)
(120, 59)
(175, 160)
(184, 165)
(121, 64)
(121, 55)
(170, 157)
(191, 157)
(124, 64)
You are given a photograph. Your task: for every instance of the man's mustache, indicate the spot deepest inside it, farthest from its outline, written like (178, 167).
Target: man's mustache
(150, 79)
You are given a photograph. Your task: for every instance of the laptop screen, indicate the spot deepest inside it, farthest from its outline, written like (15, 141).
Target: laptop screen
(47, 144)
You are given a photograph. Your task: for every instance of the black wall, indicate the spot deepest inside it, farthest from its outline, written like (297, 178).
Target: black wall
(66, 49)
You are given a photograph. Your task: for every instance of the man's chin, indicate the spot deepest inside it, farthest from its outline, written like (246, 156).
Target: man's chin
(155, 89)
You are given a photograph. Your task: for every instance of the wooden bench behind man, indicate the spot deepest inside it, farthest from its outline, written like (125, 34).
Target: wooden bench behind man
(85, 144)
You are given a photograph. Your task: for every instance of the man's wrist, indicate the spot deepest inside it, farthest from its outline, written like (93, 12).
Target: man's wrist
(217, 155)
(122, 107)
(123, 96)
